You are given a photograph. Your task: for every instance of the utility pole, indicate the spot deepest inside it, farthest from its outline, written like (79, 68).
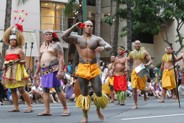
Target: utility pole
(84, 10)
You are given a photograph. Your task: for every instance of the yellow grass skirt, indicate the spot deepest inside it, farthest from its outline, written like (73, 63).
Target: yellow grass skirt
(15, 76)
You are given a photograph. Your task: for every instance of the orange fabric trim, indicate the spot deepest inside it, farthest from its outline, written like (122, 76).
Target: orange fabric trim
(88, 71)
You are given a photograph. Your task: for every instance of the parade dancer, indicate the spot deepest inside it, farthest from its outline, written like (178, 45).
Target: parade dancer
(120, 75)
(15, 76)
(168, 76)
(139, 56)
(88, 45)
(50, 65)
(110, 78)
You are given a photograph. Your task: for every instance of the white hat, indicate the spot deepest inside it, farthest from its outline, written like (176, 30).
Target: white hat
(46, 31)
(13, 37)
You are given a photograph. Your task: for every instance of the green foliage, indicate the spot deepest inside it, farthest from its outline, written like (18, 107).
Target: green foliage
(70, 7)
(108, 19)
(22, 1)
(147, 16)
(159, 65)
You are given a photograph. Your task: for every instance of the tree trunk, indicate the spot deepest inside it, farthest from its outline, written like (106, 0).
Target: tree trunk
(116, 30)
(97, 23)
(129, 26)
(7, 24)
(76, 56)
(97, 17)
(111, 34)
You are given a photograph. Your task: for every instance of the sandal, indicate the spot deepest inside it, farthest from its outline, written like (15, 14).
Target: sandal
(65, 114)
(161, 101)
(44, 114)
(14, 110)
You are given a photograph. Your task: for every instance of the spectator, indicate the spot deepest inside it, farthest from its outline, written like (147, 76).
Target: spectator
(36, 91)
(69, 67)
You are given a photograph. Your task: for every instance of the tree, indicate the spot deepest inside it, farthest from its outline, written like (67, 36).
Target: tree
(178, 14)
(121, 13)
(98, 17)
(97, 23)
(150, 15)
(116, 29)
(71, 7)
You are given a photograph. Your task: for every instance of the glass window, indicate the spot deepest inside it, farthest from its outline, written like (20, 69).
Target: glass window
(144, 38)
(91, 2)
(51, 15)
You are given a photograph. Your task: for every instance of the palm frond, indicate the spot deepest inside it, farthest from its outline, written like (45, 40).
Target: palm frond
(22, 1)
(71, 6)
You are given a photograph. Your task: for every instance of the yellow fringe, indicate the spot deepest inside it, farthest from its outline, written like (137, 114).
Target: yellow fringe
(138, 54)
(167, 58)
(101, 102)
(83, 102)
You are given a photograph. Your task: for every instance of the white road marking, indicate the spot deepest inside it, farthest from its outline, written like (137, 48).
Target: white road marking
(150, 117)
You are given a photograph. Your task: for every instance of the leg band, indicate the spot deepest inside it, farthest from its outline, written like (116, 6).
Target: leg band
(101, 102)
(83, 102)
(121, 96)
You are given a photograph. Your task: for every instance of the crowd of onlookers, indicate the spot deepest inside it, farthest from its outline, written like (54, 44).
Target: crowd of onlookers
(71, 89)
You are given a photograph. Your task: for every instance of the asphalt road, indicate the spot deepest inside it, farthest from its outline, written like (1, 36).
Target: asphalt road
(148, 112)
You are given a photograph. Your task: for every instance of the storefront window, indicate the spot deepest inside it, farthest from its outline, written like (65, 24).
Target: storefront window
(91, 2)
(52, 15)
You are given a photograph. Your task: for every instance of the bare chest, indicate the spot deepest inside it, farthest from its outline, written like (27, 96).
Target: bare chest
(91, 43)
(120, 61)
(48, 49)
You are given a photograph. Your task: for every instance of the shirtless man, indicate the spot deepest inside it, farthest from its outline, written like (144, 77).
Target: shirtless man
(110, 78)
(120, 75)
(50, 64)
(88, 45)
(139, 56)
(168, 76)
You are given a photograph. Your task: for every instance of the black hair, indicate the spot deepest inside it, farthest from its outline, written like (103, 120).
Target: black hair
(56, 39)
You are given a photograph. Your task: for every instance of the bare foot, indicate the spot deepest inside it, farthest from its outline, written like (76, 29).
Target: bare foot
(111, 101)
(161, 101)
(122, 103)
(174, 97)
(134, 107)
(84, 120)
(176, 100)
(100, 115)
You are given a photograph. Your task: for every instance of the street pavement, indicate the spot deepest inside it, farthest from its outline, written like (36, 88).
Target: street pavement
(148, 112)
